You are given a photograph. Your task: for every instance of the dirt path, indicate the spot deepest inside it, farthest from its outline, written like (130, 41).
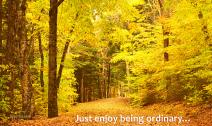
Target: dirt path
(116, 111)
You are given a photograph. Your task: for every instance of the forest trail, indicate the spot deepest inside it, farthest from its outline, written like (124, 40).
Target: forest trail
(117, 109)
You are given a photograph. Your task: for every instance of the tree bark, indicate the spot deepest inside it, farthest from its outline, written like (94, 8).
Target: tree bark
(108, 83)
(204, 28)
(55, 6)
(52, 90)
(24, 63)
(52, 85)
(82, 87)
(165, 31)
(128, 75)
(41, 62)
(32, 47)
(1, 48)
(11, 51)
(62, 63)
(166, 44)
(104, 84)
(99, 87)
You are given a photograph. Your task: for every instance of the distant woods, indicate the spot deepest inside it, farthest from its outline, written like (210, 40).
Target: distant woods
(55, 53)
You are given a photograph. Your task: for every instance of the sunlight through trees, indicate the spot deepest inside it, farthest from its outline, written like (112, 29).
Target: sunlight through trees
(57, 53)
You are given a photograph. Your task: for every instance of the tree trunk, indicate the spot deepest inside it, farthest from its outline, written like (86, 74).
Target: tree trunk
(82, 87)
(41, 62)
(62, 63)
(11, 51)
(128, 81)
(52, 85)
(78, 79)
(92, 93)
(24, 63)
(108, 83)
(165, 30)
(86, 94)
(204, 28)
(1, 48)
(104, 87)
(99, 87)
(26, 88)
(32, 47)
(166, 43)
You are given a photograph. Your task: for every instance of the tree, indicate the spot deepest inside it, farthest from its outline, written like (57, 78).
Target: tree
(25, 46)
(42, 61)
(165, 29)
(53, 85)
(11, 49)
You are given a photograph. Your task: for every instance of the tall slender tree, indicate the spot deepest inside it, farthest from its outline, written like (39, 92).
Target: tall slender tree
(165, 30)
(41, 62)
(52, 90)
(53, 85)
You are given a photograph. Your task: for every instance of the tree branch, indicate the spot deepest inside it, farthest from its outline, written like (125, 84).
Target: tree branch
(161, 7)
(55, 6)
(62, 63)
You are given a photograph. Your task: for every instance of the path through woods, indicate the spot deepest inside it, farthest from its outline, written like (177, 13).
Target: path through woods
(117, 109)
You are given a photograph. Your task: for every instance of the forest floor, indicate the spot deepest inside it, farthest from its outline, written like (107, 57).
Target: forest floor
(117, 111)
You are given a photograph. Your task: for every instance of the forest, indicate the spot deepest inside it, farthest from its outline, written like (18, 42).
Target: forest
(58, 54)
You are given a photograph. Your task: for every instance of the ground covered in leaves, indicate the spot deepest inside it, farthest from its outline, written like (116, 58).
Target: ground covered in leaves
(117, 111)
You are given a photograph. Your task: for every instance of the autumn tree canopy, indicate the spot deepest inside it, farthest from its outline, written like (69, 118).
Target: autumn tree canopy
(57, 53)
